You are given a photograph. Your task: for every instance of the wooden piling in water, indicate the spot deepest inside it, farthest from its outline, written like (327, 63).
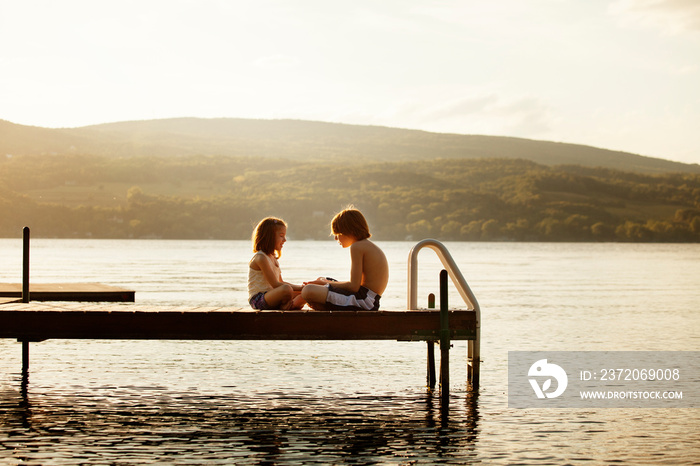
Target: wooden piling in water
(25, 265)
(25, 356)
(431, 379)
(444, 337)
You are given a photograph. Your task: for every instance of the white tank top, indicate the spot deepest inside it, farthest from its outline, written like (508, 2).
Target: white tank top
(256, 279)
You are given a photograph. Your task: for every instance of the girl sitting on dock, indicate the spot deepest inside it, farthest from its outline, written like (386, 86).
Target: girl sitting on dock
(266, 289)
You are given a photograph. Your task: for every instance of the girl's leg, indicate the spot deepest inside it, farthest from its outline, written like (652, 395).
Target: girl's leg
(280, 297)
(298, 302)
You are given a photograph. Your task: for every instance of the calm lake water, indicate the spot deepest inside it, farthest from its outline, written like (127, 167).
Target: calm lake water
(282, 402)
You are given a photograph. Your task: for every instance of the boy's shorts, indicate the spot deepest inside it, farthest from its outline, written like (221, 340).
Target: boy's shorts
(344, 300)
(258, 302)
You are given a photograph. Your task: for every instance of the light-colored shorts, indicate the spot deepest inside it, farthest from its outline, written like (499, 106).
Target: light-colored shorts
(344, 300)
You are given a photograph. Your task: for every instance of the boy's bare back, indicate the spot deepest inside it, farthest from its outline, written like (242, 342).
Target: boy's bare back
(374, 265)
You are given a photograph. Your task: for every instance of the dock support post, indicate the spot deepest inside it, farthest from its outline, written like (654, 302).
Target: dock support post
(431, 380)
(473, 362)
(25, 265)
(444, 339)
(25, 357)
(431, 364)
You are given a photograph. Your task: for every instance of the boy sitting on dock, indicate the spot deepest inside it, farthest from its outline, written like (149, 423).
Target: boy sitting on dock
(369, 270)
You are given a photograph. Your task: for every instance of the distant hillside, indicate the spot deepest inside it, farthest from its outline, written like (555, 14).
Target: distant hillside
(188, 197)
(306, 141)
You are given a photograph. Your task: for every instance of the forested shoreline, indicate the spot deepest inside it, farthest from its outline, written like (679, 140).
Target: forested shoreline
(219, 197)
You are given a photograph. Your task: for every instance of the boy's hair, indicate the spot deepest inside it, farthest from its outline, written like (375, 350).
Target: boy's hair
(264, 235)
(350, 221)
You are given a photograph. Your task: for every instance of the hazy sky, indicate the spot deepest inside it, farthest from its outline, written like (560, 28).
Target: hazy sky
(617, 74)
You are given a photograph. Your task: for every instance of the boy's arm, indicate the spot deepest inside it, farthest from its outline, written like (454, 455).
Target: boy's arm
(357, 255)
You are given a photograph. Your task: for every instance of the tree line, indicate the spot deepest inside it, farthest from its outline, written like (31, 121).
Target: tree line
(448, 199)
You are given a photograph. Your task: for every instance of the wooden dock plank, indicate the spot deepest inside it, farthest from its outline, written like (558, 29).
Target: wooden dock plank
(39, 321)
(69, 292)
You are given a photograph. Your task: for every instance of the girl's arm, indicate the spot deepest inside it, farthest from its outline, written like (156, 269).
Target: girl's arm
(294, 287)
(265, 265)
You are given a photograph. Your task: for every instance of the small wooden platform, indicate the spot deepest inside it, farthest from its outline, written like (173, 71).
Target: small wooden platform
(90, 292)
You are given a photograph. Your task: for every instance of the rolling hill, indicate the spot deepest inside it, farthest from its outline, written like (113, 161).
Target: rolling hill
(308, 141)
(192, 178)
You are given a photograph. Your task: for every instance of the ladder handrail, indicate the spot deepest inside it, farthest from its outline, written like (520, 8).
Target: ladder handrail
(473, 346)
(452, 269)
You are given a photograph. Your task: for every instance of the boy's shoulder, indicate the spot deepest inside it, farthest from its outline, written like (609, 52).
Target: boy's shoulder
(364, 245)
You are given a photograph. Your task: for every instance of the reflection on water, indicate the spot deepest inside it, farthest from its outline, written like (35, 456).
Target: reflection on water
(127, 425)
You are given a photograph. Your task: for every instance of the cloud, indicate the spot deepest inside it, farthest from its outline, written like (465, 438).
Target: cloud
(671, 16)
(528, 117)
(468, 106)
(493, 114)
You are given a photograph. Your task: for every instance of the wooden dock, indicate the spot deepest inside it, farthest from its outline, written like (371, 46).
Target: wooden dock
(38, 321)
(92, 292)
(35, 312)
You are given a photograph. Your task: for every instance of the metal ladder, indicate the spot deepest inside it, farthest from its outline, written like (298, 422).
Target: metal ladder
(473, 351)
